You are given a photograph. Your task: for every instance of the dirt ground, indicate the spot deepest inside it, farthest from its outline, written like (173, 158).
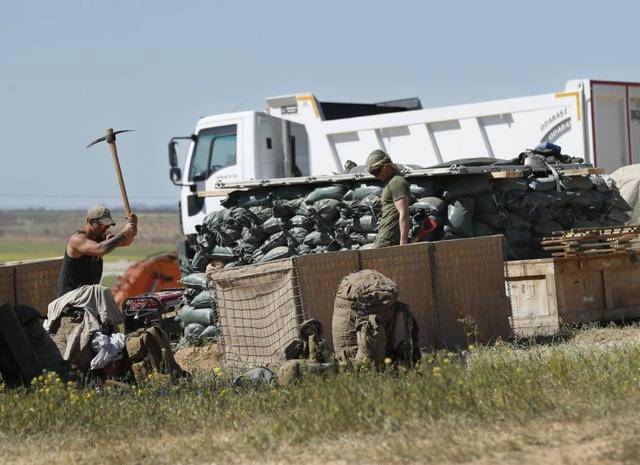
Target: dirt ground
(607, 441)
(198, 359)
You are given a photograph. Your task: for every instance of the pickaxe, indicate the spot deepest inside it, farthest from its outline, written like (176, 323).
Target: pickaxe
(110, 138)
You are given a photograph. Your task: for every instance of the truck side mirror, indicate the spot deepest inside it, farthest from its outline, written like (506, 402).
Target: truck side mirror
(173, 154)
(175, 174)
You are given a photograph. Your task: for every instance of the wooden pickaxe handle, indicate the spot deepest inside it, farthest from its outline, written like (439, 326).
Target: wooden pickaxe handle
(110, 138)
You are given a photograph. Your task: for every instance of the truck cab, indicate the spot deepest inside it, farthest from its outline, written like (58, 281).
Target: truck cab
(231, 148)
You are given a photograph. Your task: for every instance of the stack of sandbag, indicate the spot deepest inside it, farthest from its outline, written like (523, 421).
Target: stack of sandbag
(369, 325)
(260, 226)
(198, 313)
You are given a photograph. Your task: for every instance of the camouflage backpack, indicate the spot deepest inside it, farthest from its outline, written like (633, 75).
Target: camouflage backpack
(150, 352)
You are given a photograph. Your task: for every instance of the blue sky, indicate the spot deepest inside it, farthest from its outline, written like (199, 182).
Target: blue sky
(71, 69)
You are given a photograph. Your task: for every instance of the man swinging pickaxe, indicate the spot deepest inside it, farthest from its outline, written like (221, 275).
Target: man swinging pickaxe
(82, 263)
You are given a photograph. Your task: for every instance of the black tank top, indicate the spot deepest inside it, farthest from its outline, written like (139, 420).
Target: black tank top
(76, 272)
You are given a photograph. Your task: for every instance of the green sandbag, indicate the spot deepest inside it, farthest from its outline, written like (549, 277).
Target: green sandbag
(301, 221)
(547, 228)
(437, 205)
(506, 185)
(277, 254)
(485, 203)
(615, 200)
(360, 193)
(336, 192)
(460, 216)
(261, 214)
(588, 200)
(203, 300)
(577, 183)
(273, 225)
(298, 235)
(366, 224)
(195, 281)
(275, 240)
(492, 219)
(542, 200)
(545, 184)
(221, 253)
(210, 332)
(482, 229)
(518, 222)
(253, 235)
(316, 238)
(465, 186)
(618, 216)
(327, 210)
(203, 316)
(289, 208)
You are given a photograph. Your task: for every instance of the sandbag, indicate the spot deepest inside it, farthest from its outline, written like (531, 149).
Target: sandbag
(248, 199)
(577, 183)
(253, 235)
(326, 211)
(485, 203)
(587, 200)
(618, 216)
(360, 193)
(437, 205)
(273, 225)
(203, 316)
(492, 219)
(261, 214)
(193, 330)
(366, 224)
(544, 184)
(298, 234)
(210, 332)
(547, 228)
(301, 221)
(275, 240)
(482, 229)
(506, 185)
(465, 186)
(615, 200)
(518, 222)
(195, 281)
(289, 208)
(277, 254)
(316, 238)
(221, 253)
(460, 216)
(204, 299)
(335, 192)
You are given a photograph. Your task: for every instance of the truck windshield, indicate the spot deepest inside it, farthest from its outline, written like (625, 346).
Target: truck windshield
(215, 149)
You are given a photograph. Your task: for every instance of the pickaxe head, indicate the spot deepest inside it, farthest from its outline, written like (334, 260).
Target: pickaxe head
(110, 136)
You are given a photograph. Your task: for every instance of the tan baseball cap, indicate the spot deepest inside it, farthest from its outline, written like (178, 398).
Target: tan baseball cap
(100, 213)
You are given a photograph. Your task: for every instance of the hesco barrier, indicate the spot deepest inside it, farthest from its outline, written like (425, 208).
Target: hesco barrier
(455, 289)
(30, 283)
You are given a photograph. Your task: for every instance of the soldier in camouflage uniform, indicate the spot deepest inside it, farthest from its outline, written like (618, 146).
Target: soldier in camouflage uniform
(393, 226)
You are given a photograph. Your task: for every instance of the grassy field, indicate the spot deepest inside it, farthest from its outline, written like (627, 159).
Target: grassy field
(567, 402)
(30, 234)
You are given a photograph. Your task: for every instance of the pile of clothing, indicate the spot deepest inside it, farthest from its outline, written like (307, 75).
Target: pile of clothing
(198, 314)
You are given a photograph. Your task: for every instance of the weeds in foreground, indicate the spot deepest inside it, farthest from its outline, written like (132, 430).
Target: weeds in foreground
(487, 384)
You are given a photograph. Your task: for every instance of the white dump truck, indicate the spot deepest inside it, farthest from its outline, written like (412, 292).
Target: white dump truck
(300, 135)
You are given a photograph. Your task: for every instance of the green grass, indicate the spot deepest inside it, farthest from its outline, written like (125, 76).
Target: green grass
(443, 404)
(22, 250)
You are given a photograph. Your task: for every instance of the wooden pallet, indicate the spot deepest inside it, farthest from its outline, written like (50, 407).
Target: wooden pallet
(593, 241)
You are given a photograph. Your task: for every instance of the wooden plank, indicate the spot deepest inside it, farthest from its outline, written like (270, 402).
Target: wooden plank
(12, 333)
(582, 171)
(505, 174)
(220, 192)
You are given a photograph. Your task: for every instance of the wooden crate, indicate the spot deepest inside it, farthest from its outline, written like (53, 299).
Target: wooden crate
(550, 292)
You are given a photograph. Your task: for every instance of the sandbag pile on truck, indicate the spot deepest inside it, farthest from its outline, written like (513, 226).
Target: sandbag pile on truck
(264, 224)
